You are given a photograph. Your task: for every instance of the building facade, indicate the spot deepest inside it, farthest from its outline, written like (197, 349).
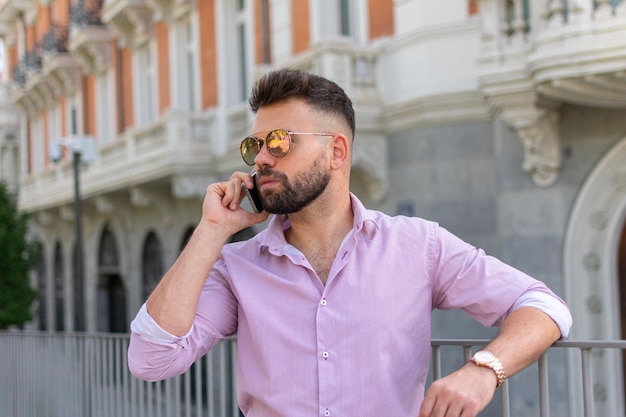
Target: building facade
(502, 120)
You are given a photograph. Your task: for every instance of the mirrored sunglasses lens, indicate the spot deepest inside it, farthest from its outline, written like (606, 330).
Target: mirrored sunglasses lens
(278, 142)
(249, 150)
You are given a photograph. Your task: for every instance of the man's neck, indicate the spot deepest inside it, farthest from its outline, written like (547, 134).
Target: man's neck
(318, 230)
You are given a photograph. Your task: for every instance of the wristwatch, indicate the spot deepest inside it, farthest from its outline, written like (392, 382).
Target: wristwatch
(489, 360)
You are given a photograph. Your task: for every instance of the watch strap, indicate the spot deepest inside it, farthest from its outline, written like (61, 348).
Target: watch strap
(496, 366)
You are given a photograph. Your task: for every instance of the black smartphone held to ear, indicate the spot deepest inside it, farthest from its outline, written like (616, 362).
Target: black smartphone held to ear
(253, 196)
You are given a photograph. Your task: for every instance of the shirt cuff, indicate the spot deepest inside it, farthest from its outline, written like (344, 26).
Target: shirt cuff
(145, 326)
(550, 305)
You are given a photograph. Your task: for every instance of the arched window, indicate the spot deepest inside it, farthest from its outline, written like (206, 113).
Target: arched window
(78, 290)
(111, 293)
(152, 264)
(59, 289)
(41, 289)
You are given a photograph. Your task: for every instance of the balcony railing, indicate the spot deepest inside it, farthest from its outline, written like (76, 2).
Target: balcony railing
(86, 12)
(87, 375)
(56, 39)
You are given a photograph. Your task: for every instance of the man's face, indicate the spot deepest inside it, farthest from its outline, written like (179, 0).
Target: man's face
(292, 195)
(288, 184)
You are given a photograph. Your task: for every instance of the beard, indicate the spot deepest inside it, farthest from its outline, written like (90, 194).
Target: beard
(292, 196)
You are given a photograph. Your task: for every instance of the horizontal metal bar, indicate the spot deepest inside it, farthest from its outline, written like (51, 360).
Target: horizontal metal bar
(93, 367)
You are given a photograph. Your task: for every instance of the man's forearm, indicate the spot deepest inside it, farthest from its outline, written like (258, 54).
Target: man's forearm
(173, 302)
(524, 336)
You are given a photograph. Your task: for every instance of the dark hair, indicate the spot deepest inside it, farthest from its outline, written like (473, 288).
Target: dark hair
(319, 92)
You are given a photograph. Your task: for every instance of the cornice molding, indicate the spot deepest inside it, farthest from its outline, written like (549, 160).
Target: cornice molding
(131, 20)
(91, 47)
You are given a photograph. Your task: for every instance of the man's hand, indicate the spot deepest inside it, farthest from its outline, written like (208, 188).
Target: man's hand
(222, 205)
(463, 393)
(467, 391)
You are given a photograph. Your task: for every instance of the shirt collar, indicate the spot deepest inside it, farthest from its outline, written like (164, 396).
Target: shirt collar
(364, 219)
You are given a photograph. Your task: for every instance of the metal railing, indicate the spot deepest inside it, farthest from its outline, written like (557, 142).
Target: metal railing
(79, 375)
(50, 374)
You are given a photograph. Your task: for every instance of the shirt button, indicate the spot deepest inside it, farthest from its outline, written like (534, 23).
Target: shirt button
(325, 355)
(323, 302)
(327, 412)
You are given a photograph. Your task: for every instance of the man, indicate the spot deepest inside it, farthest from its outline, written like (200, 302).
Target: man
(332, 303)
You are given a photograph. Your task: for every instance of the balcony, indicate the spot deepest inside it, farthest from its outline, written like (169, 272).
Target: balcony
(45, 72)
(87, 374)
(13, 10)
(131, 20)
(175, 151)
(539, 55)
(90, 40)
(170, 10)
(59, 71)
(26, 77)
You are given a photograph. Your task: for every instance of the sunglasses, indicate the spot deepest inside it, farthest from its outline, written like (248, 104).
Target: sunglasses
(278, 142)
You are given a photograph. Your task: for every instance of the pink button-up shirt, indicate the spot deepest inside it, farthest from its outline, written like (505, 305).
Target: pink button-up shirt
(358, 346)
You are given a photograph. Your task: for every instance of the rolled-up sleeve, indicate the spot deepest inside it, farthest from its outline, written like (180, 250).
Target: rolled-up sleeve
(155, 354)
(152, 350)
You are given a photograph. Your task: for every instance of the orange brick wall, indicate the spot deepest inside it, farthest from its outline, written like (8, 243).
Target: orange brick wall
(163, 61)
(381, 18)
(127, 88)
(61, 11)
(300, 24)
(208, 58)
(89, 105)
(258, 31)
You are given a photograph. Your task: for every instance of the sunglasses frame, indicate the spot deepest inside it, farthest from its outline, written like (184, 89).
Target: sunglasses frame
(259, 142)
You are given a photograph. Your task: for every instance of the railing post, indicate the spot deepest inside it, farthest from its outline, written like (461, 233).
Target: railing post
(506, 399)
(436, 352)
(587, 382)
(544, 392)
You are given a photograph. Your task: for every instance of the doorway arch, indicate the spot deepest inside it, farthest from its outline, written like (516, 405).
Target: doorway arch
(110, 293)
(591, 278)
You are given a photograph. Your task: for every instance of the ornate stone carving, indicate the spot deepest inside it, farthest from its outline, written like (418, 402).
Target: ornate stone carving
(542, 152)
(594, 304)
(592, 261)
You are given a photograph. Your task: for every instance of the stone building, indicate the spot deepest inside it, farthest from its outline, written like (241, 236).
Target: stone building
(502, 120)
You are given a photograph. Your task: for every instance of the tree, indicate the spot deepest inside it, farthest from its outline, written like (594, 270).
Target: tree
(18, 256)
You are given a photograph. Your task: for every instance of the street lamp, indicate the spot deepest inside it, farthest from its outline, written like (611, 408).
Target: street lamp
(83, 150)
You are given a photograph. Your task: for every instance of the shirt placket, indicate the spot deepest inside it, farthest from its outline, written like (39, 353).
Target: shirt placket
(327, 334)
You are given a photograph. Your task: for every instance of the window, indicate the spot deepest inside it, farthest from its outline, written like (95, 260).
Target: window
(42, 290)
(265, 33)
(152, 264)
(145, 77)
(185, 64)
(59, 289)
(110, 291)
(54, 117)
(345, 24)
(236, 49)
(104, 88)
(335, 19)
(77, 290)
(38, 149)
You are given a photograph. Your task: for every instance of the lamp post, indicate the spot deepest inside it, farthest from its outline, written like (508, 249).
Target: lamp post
(78, 230)
(83, 151)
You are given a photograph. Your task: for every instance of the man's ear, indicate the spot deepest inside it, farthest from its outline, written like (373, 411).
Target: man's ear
(340, 151)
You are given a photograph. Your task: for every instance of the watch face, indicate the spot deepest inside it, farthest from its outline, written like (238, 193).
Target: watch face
(484, 356)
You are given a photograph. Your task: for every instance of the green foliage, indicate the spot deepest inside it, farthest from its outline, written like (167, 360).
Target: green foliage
(18, 256)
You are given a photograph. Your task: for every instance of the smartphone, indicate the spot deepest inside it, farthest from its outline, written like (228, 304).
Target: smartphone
(253, 196)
